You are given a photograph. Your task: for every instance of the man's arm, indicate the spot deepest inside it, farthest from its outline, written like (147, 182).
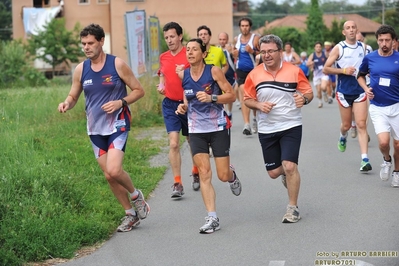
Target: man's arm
(328, 68)
(126, 74)
(297, 59)
(310, 62)
(74, 93)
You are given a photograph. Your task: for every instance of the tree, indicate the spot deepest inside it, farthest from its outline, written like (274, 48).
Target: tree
(55, 44)
(5, 21)
(335, 33)
(315, 23)
(293, 35)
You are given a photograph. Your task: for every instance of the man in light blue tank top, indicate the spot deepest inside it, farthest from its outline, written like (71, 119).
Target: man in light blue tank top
(350, 97)
(383, 68)
(103, 79)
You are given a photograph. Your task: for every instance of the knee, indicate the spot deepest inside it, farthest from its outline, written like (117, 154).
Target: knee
(112, 174)
(205, 175)
(289, 167)
(385, 145)
(173, 145)
(225, 176)
(275, 173)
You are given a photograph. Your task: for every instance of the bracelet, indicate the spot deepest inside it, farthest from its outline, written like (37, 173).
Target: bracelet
(345, 71)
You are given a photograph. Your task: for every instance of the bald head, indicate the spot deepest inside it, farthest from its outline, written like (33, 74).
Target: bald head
(223, 39)
(349, 23)
(349, 31)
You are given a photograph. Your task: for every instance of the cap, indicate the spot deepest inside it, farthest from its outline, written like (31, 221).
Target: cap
(327, 43)
(304, 54)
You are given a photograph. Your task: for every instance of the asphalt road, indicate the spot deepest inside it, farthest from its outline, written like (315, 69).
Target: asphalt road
(347, 216)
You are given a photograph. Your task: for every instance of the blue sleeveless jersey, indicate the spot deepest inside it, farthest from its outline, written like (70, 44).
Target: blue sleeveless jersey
(319, 62)
(349, 56)
(203, 117)
(99, 88)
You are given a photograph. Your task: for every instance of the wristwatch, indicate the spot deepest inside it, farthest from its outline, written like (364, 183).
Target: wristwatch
(214, 98)
(124, 102)
(306, 100)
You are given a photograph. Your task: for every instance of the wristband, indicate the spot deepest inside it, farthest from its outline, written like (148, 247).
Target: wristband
(124, 102)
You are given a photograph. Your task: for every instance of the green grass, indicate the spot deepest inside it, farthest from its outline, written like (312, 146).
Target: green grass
(54, 198)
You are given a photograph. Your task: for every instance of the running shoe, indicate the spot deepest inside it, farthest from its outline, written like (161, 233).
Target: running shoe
(284, 180)
(395, 179)
(354, 132)
(330, 100)
(342, 144)
(320, 105)
(230, 116)
(385, 171)
(211, 225)
(365, 165)
(142, 207)
(325, 97)
(177, 190)
(236, 185)
(254, 126)
(333, 93)
(247, 130)
(128, 222)
(196, 181)
(292, 215)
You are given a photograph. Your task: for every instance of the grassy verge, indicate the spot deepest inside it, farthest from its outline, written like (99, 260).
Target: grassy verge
(53, 196)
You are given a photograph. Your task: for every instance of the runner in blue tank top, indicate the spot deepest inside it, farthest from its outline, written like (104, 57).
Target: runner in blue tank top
(246, 49)
(350, 97)
(203, 101)
(103, 78)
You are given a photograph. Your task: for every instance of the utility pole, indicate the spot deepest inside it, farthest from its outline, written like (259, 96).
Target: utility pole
(383, 11)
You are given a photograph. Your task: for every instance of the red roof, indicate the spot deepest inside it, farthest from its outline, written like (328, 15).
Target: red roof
(365, 25)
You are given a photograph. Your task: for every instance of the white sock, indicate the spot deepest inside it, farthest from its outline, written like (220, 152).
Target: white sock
(134, 194)
(130, 212)
(212, 214)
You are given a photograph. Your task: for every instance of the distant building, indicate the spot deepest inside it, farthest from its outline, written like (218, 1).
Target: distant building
(217, 15)
(366, 26)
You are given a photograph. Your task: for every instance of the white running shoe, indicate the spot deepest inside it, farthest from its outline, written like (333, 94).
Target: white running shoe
(385, 170)
(395, 179)
(211, 225)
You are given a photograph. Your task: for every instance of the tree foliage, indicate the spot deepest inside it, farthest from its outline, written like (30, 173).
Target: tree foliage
(315, 24)
(16, 69)
(293, 35)
(334, 35)
(5, 20)
(55, 44)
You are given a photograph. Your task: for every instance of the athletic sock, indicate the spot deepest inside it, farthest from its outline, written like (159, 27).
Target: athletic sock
(134, 194)
(212, 214)
(194, 170)
(178, 179)
(131, 212)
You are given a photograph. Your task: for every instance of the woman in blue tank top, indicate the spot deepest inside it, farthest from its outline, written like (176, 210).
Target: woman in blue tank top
(208, 126)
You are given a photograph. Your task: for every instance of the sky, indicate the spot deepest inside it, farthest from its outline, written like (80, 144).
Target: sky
(359, 2)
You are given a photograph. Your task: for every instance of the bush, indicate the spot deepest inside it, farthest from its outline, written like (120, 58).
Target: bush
(16, 69)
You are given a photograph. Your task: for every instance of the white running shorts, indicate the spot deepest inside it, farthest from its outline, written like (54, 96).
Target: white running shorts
(385, 119)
